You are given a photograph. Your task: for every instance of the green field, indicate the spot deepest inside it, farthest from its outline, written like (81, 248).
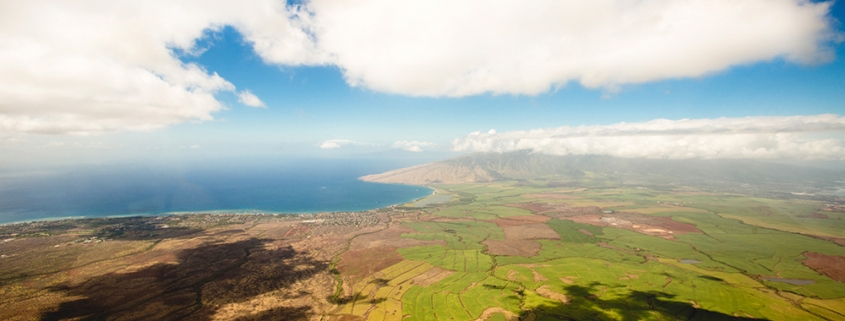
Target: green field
(601, 271)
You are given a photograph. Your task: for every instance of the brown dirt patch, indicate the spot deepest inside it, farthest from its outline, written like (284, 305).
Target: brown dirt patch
(674, 226)
(537, 276)
(271, 230)
(489, 312)
(294, 231)
(834, 208)
(664, 227)
(585, 232)
(526, 248)
(629, 276)
(829, 265)
(592, 219)
(568, 280)
(530, 232)
(547, 292)
(837, 240)
(357, 264)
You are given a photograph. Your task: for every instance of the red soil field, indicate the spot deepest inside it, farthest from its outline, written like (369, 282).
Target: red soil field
(530, 232)
(830, 265)
(357, 264)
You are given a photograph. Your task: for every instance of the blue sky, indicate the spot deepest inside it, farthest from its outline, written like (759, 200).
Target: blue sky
(369, 103)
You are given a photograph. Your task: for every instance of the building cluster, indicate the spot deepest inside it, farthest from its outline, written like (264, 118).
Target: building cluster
(150, 226)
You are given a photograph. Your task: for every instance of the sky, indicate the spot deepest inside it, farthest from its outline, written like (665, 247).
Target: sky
(98, 82)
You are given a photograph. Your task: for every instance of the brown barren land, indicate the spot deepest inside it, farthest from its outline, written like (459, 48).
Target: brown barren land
(830, 265)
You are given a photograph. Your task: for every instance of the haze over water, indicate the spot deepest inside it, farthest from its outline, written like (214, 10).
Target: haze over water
(304, 186)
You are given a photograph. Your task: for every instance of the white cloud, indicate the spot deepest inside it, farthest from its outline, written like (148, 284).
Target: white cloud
(248, 98)
(338, 143)
(88, 66)
(459, 48)
(796, 137)
(412, 146)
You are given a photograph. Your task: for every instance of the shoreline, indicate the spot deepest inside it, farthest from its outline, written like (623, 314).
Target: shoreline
(216, 212)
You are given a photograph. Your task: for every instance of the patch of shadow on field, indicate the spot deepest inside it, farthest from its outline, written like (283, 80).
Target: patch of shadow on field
(281, 314)
(711, 278)
(197, 285)
(357, 298)
(638, 305)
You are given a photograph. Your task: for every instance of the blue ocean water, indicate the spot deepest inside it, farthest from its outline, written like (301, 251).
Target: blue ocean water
(296, 187)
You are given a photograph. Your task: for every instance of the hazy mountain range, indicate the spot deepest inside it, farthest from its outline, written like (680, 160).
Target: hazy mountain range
(724, 174)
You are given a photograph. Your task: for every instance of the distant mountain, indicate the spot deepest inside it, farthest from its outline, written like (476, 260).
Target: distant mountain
(486, 167)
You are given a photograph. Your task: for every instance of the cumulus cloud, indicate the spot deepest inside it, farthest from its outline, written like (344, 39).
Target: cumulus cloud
(338, 143)
(796, 137)
(90, 66)
(459, 48)
(412, 146)
(248, 98)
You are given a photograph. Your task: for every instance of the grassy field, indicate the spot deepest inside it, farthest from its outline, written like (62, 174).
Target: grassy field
(720, 265)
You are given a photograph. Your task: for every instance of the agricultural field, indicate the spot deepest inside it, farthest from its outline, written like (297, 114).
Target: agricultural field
(511, 250)
(514, 250)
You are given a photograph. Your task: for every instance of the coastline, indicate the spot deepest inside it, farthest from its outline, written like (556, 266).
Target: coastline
(316, 186)
(221, 211)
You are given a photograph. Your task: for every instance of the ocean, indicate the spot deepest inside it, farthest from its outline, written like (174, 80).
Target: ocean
(304, 186)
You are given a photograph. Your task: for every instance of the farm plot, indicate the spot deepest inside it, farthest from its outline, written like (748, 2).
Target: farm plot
(571, 232)
(379, 296)
(551, 250)
(523, 248)
(462, 235)
(597, 289)
(765, 253)
(462, 296)
(530, 232)
(449, 259)
(659, 247)
(482, 211)
(831, 309)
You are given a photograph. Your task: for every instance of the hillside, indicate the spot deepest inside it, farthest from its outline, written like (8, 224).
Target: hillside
(727, 174)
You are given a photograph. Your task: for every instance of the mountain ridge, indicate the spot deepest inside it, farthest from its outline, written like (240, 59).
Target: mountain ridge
(489, 167)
